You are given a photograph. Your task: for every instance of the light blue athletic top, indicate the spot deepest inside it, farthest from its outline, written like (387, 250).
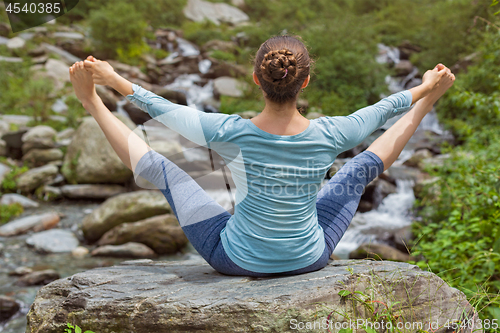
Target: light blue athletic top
(274, 227)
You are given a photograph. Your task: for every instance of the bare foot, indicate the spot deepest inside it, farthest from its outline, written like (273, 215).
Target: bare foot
(82, 82)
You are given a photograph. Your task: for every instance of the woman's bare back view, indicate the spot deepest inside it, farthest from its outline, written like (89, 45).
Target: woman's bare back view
(284, 222)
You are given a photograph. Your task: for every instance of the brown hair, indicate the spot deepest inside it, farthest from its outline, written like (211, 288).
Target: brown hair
(282, 64)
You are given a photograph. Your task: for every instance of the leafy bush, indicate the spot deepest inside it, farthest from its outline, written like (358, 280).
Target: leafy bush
(9, 182)
(460, 233)
(118, 29)
(7, 212)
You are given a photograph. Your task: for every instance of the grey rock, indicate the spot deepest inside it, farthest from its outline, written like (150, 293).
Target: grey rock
(314, 115)
(90, 159)
(16, 43)
(379, 252)
(10, 59)
(4, 169)
(4, 127)
(91, 191)
(3, 148)
(248, 114)
(37, 157)
(39, 132)
(40, 60)
(58, 179)
(403, 67)
(67, 133)
(34, 222)
(33, 178)
(127, 207)
(42, 143)
(67, 35)
(8, 307)
(68, 58)
(16, 119)
(219, 45)
(48, 193)
(59, 106)
(11, 198)
(403, 172)
(144, 296)
(435, 161)
(53, 241)
(58, 71)
(20, 271)
(416, 159)
(127, 250)
(161, 233)
(403, 239)
(80, 252)
(107, 97)
(38, 278)
(199, 10)
(229, 86)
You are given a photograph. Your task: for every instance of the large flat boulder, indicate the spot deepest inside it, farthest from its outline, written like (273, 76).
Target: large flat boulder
(144, 296)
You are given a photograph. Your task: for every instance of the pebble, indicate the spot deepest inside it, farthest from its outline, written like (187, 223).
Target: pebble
(38, 278)
(34, 222)
(53, 241)
(15, 43)
(80, 252)
(127, 250)
(11, 198)
(8, 307)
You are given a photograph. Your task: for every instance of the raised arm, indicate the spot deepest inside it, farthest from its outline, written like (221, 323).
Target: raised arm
(195, 125)
(349, 131)
(128, 145)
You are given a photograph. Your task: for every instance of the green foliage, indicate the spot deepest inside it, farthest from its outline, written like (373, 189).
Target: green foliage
(201, 32)
(118, 29)
(9, 182)
(157, 13)
(7, 212)
(460, 235)
(474, 101)
(75, 111)
(460, 238)
(222, 55)
(23, 94)
(76, 328)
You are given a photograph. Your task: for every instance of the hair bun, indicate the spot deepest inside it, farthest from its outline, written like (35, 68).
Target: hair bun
(279, 67)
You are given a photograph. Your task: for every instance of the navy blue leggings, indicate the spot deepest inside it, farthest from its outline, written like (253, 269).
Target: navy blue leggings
(336, 205)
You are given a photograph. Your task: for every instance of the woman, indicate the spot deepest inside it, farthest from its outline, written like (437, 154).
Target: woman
(283, 224)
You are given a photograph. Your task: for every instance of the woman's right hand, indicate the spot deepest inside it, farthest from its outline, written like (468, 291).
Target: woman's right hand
(442, 79)
(102, 72)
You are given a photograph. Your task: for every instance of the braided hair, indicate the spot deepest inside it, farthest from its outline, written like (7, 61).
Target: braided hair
(282, 64)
